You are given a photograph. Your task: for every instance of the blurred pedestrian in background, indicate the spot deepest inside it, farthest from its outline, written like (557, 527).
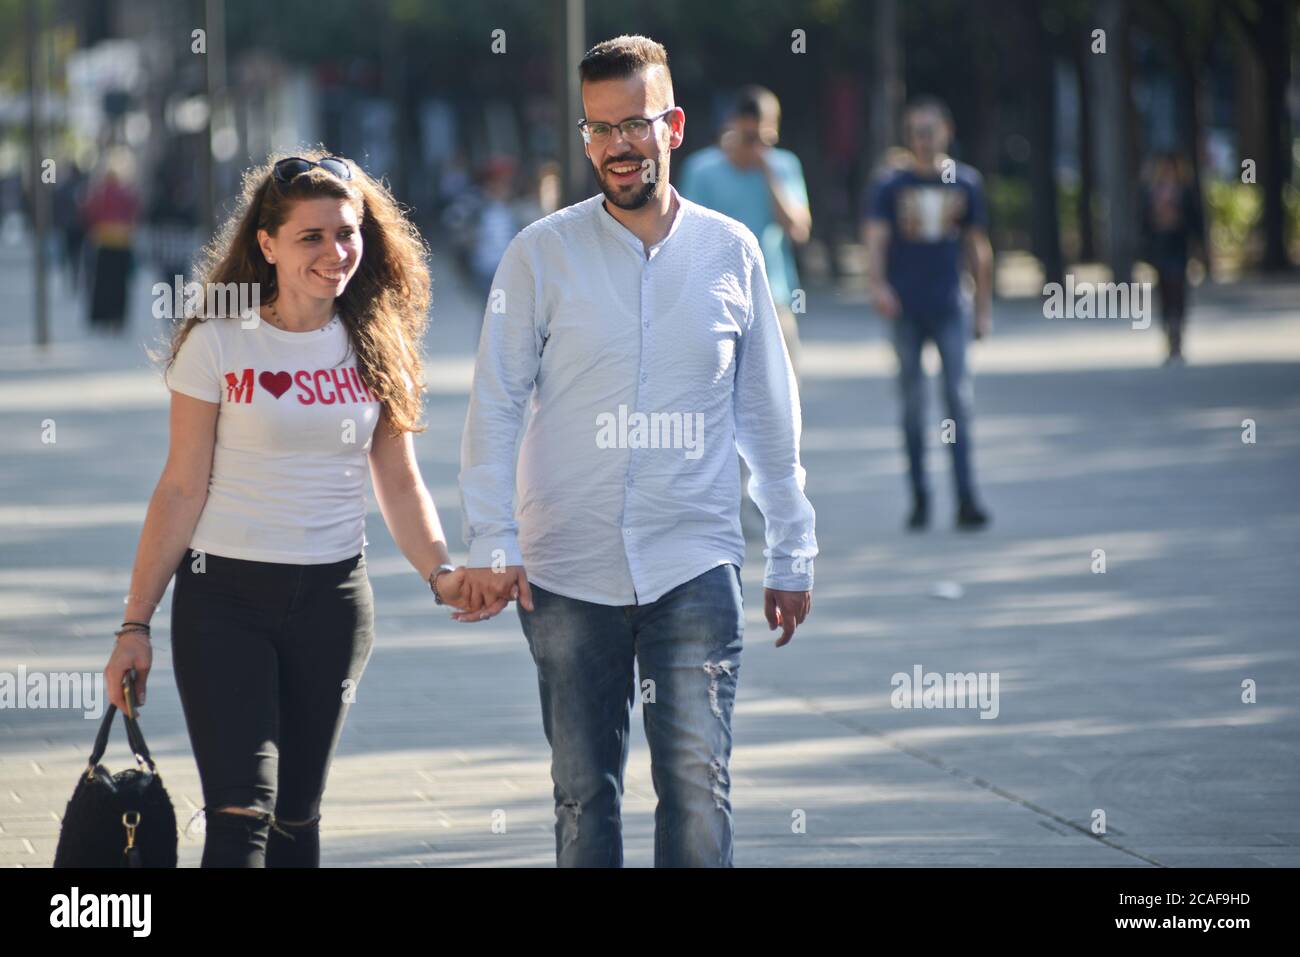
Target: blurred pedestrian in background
(747, 177)
(109, 215)
(69, 196)
(496, 224)
(1171, 223)
(919, 221)
(174, 220)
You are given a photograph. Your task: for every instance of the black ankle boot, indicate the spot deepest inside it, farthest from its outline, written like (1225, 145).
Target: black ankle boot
(920, 516)
(971, 516)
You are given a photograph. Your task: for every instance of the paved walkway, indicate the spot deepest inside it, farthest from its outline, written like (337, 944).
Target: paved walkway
(1119, 692)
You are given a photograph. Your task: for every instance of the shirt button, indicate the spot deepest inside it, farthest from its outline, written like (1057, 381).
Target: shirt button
(627, 531)
(644, 377)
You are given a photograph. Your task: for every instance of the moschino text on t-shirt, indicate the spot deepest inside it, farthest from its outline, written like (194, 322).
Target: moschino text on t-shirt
(293, 434)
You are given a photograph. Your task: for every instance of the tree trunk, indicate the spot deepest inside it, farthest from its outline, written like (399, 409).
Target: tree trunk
(1087, 166)
(1275, 29)
(1112, 141)
(886, 80)
(984, 138)
(1193, 143)
(569, 39)
(392, 73)
(1040, 82)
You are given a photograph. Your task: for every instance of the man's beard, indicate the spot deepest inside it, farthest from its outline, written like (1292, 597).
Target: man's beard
(635, 198)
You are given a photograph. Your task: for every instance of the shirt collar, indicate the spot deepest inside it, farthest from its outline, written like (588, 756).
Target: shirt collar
(624, 235)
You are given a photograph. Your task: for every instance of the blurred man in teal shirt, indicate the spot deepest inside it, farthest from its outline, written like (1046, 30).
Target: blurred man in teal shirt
(749, 179)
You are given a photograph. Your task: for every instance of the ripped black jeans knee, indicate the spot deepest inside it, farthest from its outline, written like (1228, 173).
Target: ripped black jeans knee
(235, 839)
(294, 845)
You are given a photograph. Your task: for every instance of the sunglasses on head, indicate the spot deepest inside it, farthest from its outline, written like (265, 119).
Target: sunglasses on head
(287, 169)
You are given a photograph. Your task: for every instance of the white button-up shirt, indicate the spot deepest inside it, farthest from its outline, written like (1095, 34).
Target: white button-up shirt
(646, 372)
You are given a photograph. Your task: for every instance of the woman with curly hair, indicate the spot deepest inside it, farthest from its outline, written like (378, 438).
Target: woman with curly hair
(260, 512)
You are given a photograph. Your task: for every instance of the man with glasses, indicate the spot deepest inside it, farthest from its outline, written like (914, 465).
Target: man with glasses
(640, 328)
(920, 221)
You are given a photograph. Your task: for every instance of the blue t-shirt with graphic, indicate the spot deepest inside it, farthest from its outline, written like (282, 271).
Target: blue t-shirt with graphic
(710, 179)
(927, 218)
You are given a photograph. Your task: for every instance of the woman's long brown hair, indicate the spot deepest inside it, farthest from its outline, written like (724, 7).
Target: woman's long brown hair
(386, 302)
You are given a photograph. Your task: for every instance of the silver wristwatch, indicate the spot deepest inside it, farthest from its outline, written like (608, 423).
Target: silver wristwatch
(433, 582)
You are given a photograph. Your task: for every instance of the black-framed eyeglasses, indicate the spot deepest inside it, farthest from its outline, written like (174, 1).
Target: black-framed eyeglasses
(286, 169)
(634, 128)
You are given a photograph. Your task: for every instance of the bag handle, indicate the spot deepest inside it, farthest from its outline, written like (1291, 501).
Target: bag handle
(134, 737)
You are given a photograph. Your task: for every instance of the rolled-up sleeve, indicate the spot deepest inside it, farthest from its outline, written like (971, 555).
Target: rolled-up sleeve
(509, 355)
(768, 424)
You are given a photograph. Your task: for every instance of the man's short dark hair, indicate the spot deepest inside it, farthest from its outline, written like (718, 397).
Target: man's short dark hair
(622, 57)
(757, 102)
(927, 102)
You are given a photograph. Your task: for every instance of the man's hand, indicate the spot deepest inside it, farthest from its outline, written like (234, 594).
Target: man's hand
(983, 323)
(786, 610)
(885, 300)
(744, 152)
(486, 591)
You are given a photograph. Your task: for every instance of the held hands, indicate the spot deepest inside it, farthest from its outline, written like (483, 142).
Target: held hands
(481, 593)
(786, 610)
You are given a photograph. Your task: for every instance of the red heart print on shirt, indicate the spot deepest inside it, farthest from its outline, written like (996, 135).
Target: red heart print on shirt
(276, 383)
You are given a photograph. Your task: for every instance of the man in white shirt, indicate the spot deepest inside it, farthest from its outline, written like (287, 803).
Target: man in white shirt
(641, 328)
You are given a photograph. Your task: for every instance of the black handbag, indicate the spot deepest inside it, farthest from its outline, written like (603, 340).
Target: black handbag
(119, 820)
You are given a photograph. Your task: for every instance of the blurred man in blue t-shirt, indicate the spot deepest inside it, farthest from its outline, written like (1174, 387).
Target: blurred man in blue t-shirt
(749, 179)
(922, 219)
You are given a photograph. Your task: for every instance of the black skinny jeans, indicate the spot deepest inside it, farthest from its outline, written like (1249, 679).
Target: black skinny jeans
(267, 656)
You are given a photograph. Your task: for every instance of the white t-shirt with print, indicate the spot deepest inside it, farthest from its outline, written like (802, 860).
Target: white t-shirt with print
(289, 468)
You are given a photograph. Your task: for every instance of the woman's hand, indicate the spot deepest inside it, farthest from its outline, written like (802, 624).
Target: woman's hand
(451, 587)
(132, 651)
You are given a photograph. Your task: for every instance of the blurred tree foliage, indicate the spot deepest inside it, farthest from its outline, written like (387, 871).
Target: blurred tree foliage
(996, 62)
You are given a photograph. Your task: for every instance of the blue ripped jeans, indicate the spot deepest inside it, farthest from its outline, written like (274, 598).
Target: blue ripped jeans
(950, 336)
(685, 648)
